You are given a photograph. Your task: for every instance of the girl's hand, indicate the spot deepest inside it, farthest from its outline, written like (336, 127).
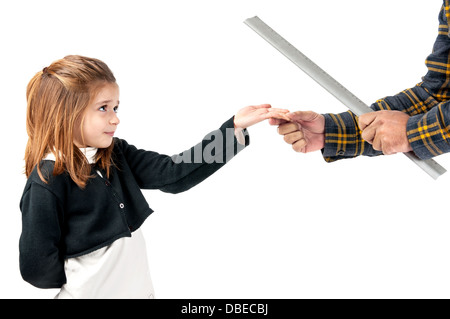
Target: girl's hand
(251, 115)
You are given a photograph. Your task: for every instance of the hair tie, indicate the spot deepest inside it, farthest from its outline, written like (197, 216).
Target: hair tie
(44, 70)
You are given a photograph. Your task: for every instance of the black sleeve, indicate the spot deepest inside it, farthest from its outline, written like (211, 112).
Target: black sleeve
(41, 259)
(178, 173)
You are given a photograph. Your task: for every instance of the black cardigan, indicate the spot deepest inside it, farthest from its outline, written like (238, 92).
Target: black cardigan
(61, 220)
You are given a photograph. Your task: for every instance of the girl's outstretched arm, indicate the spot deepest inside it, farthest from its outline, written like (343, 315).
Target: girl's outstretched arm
(180, 172)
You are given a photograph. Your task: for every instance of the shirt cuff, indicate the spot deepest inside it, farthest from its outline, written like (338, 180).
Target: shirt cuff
(343, 138)
(427, 133)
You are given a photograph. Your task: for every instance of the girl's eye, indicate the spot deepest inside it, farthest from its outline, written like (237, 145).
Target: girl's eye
(103, 108)
(116, 109)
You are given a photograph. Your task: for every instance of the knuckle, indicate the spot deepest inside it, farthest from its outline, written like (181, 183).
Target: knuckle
(296, 148)
(376, 147)
(289, 127)
(364, 135)
(299, 145)
(282, 129)
(386, 140)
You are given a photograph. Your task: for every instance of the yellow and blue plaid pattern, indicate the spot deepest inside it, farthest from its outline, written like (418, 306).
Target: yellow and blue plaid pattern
(428, 104)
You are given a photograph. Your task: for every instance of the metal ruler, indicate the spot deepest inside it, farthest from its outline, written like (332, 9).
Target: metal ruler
(331, 85)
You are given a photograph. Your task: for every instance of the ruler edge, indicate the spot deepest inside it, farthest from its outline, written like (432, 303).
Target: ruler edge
(358, 110)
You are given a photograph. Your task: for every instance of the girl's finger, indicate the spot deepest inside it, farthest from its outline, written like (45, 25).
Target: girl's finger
(265, 106)
(276, 115)
(278, 110)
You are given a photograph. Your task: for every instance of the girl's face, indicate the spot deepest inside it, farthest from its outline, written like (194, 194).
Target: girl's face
(100, 120)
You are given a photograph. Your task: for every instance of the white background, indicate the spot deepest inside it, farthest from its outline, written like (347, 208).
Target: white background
(272, 223)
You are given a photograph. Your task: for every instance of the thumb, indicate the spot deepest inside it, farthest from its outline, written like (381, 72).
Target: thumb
(302, 116)
(365, 120)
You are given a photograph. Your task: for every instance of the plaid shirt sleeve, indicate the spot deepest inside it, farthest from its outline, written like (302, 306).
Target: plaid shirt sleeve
(428, 104)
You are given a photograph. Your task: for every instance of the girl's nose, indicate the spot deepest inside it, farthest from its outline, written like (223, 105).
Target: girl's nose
(115, 119)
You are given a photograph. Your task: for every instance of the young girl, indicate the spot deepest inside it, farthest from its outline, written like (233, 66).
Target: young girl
(82, 206)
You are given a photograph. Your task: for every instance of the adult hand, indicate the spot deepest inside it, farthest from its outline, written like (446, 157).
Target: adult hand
(305, 131)
(251, 115)
(386, 131)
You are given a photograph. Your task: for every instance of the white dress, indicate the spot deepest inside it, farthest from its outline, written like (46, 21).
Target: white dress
(119, 270)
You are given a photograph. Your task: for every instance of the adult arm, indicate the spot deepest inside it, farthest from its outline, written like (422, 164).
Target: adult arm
(426, 104)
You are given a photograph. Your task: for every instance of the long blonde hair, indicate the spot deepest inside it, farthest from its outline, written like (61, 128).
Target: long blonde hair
(57, 97)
